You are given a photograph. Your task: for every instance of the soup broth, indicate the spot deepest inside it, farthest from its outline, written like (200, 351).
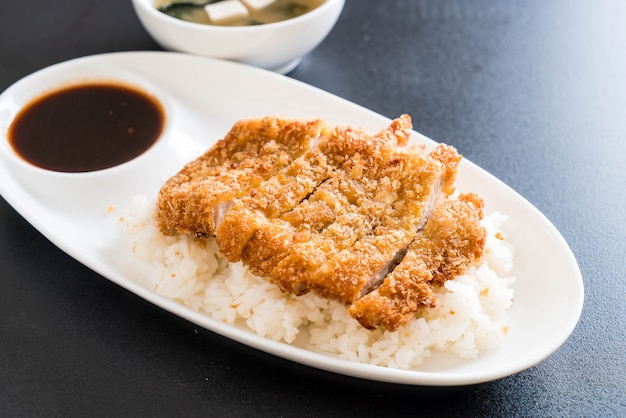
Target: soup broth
(277, 11)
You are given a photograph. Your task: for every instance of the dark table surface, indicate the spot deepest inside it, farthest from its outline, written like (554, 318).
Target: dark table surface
(533, 91)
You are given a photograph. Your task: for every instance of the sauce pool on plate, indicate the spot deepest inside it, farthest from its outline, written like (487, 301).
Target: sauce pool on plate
(87, 127)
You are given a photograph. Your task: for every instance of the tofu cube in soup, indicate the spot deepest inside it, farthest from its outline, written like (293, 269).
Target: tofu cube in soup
(258, 4)
(225, 11)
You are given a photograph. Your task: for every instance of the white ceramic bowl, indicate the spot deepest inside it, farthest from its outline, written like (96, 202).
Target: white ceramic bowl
(276, 46)
(58, 188)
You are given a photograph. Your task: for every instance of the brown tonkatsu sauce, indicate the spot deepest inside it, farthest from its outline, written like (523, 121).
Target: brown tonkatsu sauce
(87, 127)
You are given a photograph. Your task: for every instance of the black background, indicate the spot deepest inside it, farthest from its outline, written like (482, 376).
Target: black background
(533, 91)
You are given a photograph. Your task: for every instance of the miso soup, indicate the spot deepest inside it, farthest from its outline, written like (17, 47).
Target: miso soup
(279, 10)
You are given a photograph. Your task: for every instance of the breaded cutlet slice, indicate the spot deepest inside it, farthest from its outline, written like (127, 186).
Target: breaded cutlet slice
(337, 212)
(352, 261)
(450, 241)
(275, 238)
(269, 200)
(194, 200)
(296, 187)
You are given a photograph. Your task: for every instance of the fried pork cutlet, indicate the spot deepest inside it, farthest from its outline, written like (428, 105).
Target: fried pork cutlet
(353, 253)
(195, 199)
(270, 199)
(335, 215)
(359, 218)
(450, 241)
(304, 192)
(408, 195)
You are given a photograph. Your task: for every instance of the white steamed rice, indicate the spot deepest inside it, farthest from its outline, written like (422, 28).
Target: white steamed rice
(470, 316)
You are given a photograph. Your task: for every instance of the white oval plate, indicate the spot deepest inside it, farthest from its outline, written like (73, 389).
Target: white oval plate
(203, 98)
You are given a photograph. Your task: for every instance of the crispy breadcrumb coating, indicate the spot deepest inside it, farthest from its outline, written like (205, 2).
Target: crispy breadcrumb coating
(363, 219)
(254, 150)
(450, 241)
